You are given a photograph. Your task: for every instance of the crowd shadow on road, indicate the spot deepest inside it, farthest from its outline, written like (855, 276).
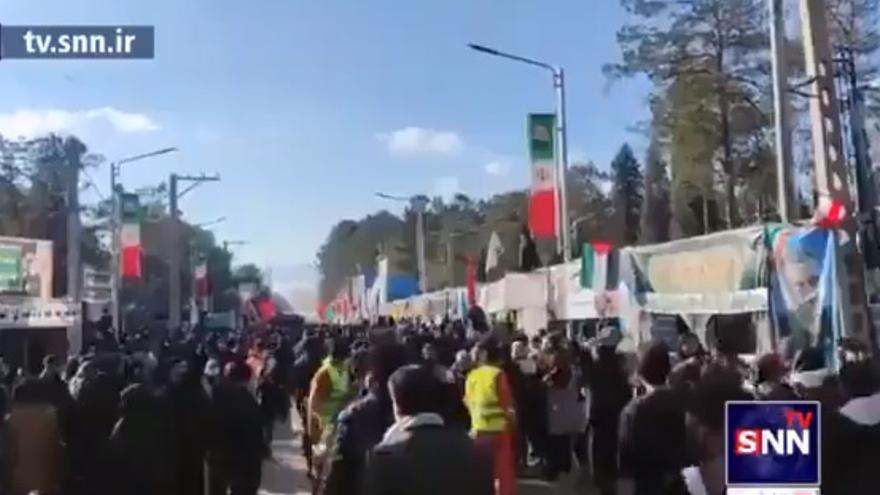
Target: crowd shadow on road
(285, 472)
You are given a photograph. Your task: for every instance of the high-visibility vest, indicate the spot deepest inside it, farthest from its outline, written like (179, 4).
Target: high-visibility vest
(483, 403)
(339, 391)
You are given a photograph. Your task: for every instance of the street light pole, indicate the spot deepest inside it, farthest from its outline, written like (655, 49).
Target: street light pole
(174, 289)
(564, 241)
(115, 222)
(562, 160)
(780, 110)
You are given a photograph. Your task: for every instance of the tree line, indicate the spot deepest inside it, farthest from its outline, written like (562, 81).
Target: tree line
(709, 164)
(35, 203)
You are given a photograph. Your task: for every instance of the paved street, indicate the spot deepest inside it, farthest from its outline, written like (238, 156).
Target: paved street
(285, 474)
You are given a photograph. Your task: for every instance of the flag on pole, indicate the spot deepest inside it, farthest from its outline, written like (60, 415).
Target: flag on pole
(493, 252)
(542, 198)
(599, 270)
(130, 236)
(471, 282)
(200, 274)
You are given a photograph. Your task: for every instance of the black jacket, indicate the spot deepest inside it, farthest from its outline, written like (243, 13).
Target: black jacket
(428, 460)
(360, 427)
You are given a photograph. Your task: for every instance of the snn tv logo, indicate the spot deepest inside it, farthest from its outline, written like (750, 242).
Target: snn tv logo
(773, 443)
(779, 441)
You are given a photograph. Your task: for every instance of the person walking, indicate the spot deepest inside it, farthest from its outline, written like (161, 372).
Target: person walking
(140, 458)
(489, 401)
(610, 394)
(652, 429)
(362, 424)
(237, 448)
(34, 443)
(330, 390)
(420, 454)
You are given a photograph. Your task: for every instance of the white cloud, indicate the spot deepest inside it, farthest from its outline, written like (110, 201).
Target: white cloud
(446, 187)
(30, 123)
(498, 168)
(419, 141)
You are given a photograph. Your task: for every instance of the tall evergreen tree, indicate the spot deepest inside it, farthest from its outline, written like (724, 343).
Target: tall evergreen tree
(722, 41)
(656, 208)
(626, 194)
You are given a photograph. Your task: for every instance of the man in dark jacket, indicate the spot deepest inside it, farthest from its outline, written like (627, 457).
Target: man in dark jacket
(186, 405)
(140, 452)
(419, 454)
(652, 428)
(237, 448)
(362, 424)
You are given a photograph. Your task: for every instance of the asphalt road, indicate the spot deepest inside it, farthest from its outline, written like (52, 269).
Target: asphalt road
(285, 474)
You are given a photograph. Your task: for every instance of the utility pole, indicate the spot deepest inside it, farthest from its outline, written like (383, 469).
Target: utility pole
(831, 177)
(419, 204)
(74, 265)
(115, 223)
(174, 281)
(781, 111)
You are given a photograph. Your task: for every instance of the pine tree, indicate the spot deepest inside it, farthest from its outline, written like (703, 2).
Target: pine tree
(627, 194)
(656, 210)
(723, 42)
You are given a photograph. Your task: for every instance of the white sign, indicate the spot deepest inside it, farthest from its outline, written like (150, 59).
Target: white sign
(772, 491)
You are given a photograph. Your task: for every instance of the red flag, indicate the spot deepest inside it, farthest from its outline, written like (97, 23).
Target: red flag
(267, 309)
(471, 280)
(830, 214)
(130, 238)
(131, 262)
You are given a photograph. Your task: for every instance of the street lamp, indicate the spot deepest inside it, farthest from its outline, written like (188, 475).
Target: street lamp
(210, 223)
(115, 221)
(564, 241)
(419, 203)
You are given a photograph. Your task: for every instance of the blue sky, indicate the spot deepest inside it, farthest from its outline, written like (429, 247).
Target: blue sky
(306, 108)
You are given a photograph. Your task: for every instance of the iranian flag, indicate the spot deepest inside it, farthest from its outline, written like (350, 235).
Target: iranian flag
(599, 266)
(542, 198)
(200, 275)
(130, 237)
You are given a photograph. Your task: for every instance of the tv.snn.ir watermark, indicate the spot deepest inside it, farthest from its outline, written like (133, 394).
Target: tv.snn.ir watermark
(77, 42)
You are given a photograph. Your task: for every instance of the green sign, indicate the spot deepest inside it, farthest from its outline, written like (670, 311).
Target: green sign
(130, 208)
(542, 127)
(11, 279)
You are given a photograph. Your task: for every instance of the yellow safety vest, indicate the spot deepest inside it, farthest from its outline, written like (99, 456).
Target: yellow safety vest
(483, 403)
(339, 391)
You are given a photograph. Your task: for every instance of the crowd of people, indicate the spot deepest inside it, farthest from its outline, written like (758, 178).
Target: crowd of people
(402, 408)
(186, 417)
(509, 406)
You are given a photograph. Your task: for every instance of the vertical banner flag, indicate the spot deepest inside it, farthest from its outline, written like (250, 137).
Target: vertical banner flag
(542, 198)
(200, 283)
(471, 282)
(493, 252)
(130, 236)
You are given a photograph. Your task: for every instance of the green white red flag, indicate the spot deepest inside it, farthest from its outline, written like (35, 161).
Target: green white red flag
(542, 198)
(130, 236)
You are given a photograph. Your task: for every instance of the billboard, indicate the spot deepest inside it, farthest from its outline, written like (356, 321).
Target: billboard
(25, 267)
